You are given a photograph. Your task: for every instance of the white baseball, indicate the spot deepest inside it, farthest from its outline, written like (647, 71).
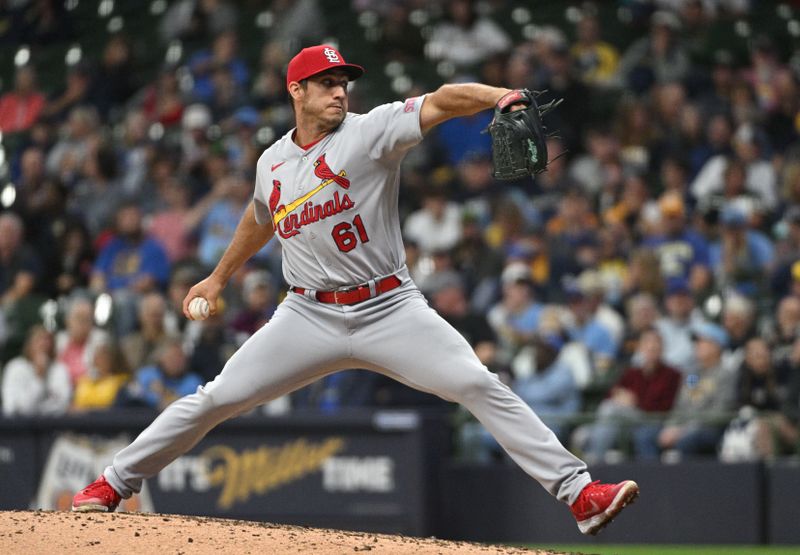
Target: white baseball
(198, 308)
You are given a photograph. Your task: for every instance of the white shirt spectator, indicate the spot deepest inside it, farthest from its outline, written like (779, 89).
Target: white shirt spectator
(760, 180)
(25, 393)
(434, 233)
(465, 47)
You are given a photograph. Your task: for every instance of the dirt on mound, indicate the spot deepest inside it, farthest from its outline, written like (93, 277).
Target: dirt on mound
(48, 532)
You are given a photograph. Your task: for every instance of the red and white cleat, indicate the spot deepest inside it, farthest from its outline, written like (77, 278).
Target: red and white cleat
(598, 504)
(98, 496)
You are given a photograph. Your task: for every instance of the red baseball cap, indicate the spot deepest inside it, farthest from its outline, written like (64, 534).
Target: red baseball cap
(316, 59)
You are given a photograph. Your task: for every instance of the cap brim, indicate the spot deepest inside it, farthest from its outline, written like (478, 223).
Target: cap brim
(352, 71)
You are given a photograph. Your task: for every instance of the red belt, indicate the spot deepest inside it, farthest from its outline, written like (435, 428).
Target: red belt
(356, 294)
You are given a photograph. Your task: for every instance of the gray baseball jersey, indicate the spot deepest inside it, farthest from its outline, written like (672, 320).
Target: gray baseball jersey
(334, 209)
(334, 203)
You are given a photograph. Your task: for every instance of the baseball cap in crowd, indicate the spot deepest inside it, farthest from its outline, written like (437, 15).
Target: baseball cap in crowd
(796, 271)
(677, 286)
(516, 272)
(733, 216)
(553, 340)
(196, 116)
(710, 332)
(316, 59)
(671, 204)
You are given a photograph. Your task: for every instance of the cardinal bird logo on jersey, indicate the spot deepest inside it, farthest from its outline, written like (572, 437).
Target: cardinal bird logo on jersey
(323, 171)
(274, 196)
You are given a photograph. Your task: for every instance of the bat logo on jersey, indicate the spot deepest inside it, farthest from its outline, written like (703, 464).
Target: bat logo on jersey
(285, 218)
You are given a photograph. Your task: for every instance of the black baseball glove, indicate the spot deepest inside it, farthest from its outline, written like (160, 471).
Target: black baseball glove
(519, 140)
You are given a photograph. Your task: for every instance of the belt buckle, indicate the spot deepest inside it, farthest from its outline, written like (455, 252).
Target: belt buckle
(336, 296)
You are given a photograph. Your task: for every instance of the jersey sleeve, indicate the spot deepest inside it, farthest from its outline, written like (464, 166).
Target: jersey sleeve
(390, 130)
(260, 195)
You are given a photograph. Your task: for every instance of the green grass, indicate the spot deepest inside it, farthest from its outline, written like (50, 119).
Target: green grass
(672, 549)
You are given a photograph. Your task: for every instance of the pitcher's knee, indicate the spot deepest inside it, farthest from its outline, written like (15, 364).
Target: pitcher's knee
(224, 402)
(476, 384)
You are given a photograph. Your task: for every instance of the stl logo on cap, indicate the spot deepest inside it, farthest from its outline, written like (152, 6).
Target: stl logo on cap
(332, 55)
(316, 59)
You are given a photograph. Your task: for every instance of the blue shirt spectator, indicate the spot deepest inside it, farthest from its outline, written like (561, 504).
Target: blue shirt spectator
(551, 390)
(158, 385)
(682, 252)
(130, 260)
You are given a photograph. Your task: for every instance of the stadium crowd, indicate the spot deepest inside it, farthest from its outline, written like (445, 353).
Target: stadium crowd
(642, 295)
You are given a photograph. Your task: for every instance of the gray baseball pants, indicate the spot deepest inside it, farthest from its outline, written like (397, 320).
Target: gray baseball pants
(396, 334)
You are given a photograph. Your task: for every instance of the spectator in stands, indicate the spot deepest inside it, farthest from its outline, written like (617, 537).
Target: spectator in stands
(716, 98)
(215, 230)
(35, 383)
(162, 101)
(763, 72)
(646, 388)
(466, 39)
(551, 389)
(478, 264)
(140, 347)
(197, 21)
(743, 258)
(21, 107)
(549, 186)
(739, 321)
(130, 265)
(210, 344)
(437, 225)
(182, 278)
(75, 94)
(259, 304)
(657, 58)
(175, 221)
(195, 144)
(682, 252)
(297, 22)
(595, 60)
(222, 56)
(590, 323)
(108, 374)
(96, 198)
(644, 273)
(515, 318)
(786, 330)
(448, 298)
(589, 170)
(135, 154)
(66, 159)
(641, 314)
(116, 78)
(20, 270)
(159, 384)
(780, 124)
(676, 325)
(761, 385)
(75, 259)
(779, 433)
(75, 345)
(19, 265)
(704, 399)
(760, 180)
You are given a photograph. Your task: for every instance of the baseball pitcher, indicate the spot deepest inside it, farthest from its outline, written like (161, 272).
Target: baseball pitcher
(329, 190)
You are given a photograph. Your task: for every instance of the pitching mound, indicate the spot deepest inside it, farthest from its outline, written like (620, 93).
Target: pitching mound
(47, 532)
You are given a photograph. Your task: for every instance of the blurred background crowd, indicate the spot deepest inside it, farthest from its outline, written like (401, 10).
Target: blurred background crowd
(643, 295)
